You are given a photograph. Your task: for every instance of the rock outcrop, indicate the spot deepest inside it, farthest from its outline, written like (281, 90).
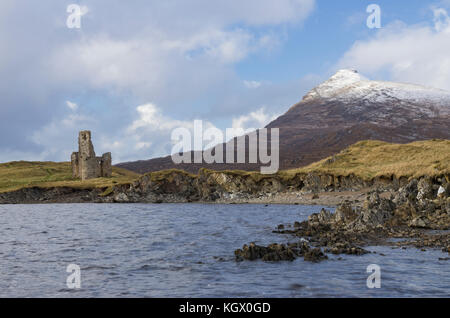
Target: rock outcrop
(409, 213)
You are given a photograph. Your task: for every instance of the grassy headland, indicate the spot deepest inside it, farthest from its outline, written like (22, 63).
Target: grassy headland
(21, 174)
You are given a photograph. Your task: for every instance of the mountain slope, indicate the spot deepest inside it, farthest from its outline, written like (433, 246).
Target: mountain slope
(343, 110)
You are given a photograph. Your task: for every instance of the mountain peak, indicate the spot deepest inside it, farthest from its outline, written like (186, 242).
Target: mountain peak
(334, 84)
(346, 73)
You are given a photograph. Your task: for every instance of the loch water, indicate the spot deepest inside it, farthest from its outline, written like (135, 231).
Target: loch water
(187, 250)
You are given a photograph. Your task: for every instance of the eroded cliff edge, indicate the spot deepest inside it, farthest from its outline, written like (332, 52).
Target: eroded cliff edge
(175, 186)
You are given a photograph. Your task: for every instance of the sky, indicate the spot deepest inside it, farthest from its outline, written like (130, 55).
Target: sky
(136, 70)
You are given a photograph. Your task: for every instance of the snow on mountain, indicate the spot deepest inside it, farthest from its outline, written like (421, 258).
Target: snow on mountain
(350, 87)
(335, 84)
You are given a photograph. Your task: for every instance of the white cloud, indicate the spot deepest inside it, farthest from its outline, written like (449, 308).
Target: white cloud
(149, 64)
(179, 41)
(254, 120)
(151, 119)
(71, 105)
(150, 133)
(417, 53)
(252, 84)
(84, 10)
(441, 20)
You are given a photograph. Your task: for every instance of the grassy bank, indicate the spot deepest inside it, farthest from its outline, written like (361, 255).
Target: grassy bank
(371, 159)
(20, 174)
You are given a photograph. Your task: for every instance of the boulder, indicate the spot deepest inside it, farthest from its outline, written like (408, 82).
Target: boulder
(271, 253)
(315, 255)
(345, 213)
(425, 189)
(376, 211)
(313, 220)
(407, 193)
(121, 198)
(325, 216)
(441, 192)
(418, 223)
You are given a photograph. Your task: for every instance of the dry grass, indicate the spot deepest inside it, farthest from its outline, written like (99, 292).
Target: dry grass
(20, 174)
(168, 174)
(371, 159)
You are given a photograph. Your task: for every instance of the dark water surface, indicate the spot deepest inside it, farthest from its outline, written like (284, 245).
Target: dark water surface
(186, 250)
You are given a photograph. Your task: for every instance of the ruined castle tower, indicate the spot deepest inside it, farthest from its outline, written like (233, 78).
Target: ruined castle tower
(85, 164)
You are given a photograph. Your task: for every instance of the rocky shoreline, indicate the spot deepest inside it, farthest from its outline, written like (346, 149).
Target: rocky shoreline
(208, 186)
(416, 211)
(416, 215)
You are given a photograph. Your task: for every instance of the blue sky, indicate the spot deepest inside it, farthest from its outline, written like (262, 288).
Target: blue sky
(135, 71)
(327, 34)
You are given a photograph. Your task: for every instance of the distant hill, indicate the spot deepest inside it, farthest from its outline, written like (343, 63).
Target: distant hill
(343, 110)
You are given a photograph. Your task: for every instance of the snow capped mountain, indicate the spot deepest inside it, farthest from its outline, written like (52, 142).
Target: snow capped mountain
(341, 111)
(350, 86)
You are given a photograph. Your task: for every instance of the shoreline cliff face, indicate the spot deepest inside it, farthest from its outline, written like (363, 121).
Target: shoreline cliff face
(208, 186)
(226, 187)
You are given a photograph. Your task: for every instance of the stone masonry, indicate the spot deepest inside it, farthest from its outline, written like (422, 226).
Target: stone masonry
(85, 165)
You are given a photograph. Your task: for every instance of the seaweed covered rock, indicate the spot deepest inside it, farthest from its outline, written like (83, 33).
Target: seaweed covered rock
(346, 248)
(315, 255)
(279, 252)
(271, 253)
